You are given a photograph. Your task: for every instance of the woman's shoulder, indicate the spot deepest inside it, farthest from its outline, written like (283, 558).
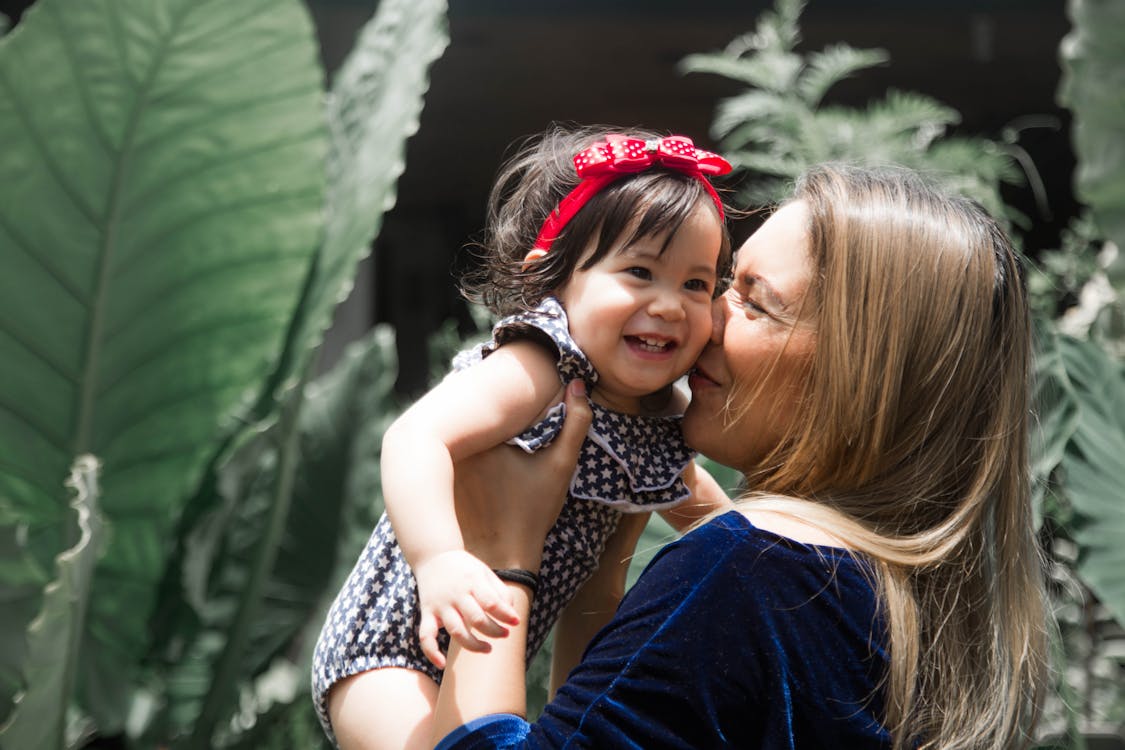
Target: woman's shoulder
(731, 553)
(764, 615)
(755, 530)
(791, 528)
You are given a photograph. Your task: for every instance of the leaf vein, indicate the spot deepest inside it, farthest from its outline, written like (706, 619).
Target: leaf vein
(20, 108)
(56, 441)
(34, 350)
(171, 344)
(213, 211)
(42, 261)
(155, 192)
(69, 46)
(182, 283)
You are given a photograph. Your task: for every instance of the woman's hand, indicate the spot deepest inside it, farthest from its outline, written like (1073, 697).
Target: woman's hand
(508, 500)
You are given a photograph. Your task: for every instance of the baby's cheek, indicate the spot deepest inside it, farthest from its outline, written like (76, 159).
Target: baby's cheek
(700, 332)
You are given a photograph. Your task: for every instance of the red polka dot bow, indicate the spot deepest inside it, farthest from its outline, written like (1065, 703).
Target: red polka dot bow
(617, 156)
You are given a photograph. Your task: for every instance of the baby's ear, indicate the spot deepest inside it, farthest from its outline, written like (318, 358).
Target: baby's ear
(533, 256)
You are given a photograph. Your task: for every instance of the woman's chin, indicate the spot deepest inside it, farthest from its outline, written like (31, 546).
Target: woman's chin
(699, 425)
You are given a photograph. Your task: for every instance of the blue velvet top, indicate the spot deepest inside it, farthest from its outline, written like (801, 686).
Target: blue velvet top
(734, 637)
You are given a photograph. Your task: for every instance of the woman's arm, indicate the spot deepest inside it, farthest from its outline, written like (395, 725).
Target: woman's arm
(674, 668)
(596, 601)
(506, 529)
(467, 413)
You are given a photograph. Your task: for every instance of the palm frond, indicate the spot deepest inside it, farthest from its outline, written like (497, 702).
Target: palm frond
(833, 64)
(751, 106)
(782, 23)
(905, 112)
(772, 70)
(763, 58)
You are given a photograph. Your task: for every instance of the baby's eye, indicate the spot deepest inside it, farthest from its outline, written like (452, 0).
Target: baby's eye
(697, 285)
(639, 271)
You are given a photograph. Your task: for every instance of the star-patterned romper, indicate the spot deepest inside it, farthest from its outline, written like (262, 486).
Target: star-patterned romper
(628, 464)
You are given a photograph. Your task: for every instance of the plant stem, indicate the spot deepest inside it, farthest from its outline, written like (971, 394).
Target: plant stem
(224, 683)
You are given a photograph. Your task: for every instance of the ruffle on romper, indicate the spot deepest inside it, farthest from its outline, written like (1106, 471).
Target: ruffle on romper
(631, 462)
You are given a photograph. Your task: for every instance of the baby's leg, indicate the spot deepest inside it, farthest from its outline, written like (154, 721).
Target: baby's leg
(383, 709)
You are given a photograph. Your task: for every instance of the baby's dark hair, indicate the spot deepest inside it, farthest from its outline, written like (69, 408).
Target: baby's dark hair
(530, 185)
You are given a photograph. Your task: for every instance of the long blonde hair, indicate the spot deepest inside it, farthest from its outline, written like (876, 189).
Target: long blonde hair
(910, 444)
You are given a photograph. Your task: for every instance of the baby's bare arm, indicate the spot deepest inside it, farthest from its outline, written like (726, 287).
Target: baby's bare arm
(468, 413)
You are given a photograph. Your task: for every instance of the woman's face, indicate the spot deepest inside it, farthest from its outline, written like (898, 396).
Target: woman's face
(747, 380)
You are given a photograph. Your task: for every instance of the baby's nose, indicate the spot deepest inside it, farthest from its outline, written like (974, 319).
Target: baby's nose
(668, 305)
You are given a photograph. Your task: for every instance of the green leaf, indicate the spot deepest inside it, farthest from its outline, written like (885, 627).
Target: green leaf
(754, 105)
(833, 64)
(763, 59)
(1095, 485)
(21, 590)
(779, 126)
(1093, 88)
(1056, 409)
(53, 638)
(335, 495)
(908, 113)
(373, 109)
(161, 188)
(772, 70)
(1085, 387)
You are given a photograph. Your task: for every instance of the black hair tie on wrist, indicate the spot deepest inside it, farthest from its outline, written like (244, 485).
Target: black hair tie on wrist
(519, 575)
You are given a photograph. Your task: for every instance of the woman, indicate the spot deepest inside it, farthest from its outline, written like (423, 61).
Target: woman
(881, 587)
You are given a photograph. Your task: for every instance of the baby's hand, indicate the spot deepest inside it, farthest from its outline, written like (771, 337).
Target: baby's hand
(458, 592)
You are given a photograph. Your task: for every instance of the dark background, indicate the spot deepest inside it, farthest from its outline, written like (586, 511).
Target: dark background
(514, 66)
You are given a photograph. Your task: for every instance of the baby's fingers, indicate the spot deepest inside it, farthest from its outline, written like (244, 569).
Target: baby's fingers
(476, 618)
(427, 638)
(496, 602)
(455, 625)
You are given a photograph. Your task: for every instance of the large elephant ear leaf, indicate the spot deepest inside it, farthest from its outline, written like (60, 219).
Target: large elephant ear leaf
(161, 186)
(374, 106)
(253, 587)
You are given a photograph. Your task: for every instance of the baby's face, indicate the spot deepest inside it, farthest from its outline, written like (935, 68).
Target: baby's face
(643, 316)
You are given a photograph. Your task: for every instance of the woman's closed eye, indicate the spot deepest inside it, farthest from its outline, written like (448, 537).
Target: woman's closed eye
(747, 303)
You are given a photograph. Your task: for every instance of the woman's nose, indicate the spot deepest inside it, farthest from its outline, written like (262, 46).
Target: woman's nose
(718, 319)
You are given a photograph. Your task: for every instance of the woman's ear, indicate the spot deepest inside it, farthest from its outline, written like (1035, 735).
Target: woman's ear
(533, 256)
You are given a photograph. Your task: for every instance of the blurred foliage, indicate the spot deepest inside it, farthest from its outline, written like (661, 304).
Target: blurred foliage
(181, 208)
(781, 123)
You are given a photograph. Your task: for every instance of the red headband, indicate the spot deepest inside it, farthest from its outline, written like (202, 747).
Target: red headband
(618, 156)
